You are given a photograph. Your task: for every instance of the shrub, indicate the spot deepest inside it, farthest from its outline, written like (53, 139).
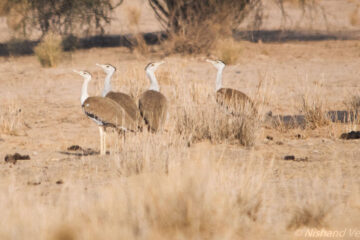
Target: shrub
(11, 119)
(194, 26)
(315, 114)
(213, 123)
(49, 51)
(62, 16)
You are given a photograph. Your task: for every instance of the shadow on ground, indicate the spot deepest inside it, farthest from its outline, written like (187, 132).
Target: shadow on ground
(299, 121)
(26, 47)
(19, 48)
(289, 36)
(76, 150)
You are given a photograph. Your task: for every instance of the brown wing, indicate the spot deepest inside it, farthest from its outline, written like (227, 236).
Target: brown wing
(153, 108)
(126, 102)
(235, 101)
(108, 113)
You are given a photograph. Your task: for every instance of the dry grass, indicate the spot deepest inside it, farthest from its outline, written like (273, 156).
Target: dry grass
(11, 119)
(354, 103)
(200, 37)
(154, 186)
(315, 113)
(313, 104)
(213, 123)
(354, 16)
(50, 51)
(133, 14)
(160, 191)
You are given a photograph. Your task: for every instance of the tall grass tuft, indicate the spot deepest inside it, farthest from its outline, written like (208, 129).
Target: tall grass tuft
(11, 120)
(50, 50)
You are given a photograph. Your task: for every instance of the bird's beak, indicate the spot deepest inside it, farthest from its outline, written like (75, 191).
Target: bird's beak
(75, 71)
(159, 63)
(100, 65)
(210, 61)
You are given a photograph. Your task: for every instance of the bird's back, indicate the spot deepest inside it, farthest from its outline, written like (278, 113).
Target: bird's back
(235, 101)
(153, 108)
(126, 102)
(108, 113)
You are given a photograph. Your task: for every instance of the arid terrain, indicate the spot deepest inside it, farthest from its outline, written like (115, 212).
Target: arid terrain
(164, 186)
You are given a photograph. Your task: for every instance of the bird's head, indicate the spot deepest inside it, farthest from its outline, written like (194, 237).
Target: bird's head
(108, 68)
(217, 63)
(151, 67)
(84, 74)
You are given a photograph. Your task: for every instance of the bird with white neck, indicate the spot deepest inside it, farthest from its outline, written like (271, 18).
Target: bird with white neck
(104, 112)
(152, 103)
(125, 101)
(235, 101)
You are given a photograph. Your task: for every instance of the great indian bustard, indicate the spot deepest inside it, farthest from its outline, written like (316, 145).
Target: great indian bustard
(124, 100)
(234, 101)
(152, 103)
(104, 112)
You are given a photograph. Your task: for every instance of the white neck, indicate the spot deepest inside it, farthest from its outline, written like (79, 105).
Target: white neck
(218, 83)
(84, 92)
(107, 85)
(153, 82)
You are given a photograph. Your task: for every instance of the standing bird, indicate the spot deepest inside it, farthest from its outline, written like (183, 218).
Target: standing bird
(124, 100)
(104, 112)
(233, 100)
(152, 103)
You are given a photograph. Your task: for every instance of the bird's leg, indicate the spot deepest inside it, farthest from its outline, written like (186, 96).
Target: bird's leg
(101, 130)
(124, 137)
(104, 142)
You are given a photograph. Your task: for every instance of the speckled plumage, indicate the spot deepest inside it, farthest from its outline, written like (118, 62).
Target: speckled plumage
(153, 108)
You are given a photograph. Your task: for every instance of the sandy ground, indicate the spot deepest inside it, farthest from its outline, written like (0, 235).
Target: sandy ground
(51, 118)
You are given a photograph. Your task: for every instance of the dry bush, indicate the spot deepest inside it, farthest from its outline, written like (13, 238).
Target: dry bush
(11, 119)
(354, 16)
(199, 122)
(49, 51)
(177, 16)
(313, 104)
(199, 37)
(61, 16)
(133, 16)
(228, 50)
(195, 26)
(315, 112)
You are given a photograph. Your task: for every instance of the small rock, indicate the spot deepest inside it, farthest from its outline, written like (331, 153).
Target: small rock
(279, 143)
(74, 148)
(298, 136)
(269, 138)
(33, 183)
(351, 135)
(289, 157)
(59, 181)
